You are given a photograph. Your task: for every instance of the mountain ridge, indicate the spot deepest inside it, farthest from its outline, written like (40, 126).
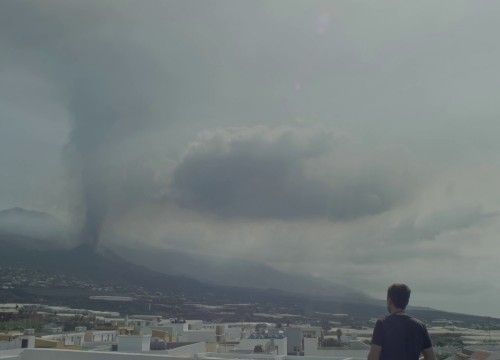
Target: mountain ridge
(85, 262)
(34, 229)
(106, 266)
(231, 272)
(46, 232)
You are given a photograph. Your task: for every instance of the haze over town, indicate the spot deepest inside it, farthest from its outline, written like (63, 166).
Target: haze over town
(356, 141)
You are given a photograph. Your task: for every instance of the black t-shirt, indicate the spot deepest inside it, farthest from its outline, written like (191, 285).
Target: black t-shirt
(401, 337)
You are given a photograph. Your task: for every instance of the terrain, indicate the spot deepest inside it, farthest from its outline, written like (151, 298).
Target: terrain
(35, 269)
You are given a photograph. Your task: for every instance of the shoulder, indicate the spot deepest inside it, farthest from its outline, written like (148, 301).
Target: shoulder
(402, 320)
(416, 321)
(416, 324)
(380, 322)
(382, 319)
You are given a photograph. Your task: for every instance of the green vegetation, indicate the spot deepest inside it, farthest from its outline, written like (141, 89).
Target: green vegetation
(20, 325)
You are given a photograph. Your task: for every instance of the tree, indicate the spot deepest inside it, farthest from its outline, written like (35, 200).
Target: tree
(339, 335)
(329, 342)
(258, 349)
(260, 327)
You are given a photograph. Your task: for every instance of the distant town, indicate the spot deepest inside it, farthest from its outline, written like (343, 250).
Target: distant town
(184, 328)
(37, 327)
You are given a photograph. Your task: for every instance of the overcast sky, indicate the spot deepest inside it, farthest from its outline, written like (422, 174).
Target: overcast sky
(355, 140)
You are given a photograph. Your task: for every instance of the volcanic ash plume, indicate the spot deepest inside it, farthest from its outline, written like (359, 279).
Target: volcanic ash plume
(113, 101)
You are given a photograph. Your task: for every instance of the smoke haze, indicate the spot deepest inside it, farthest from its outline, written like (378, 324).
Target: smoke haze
(349, 140)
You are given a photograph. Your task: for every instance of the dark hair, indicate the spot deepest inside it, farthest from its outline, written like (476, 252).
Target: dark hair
(399, 295)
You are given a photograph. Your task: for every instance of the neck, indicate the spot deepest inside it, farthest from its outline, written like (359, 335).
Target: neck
(397, 311)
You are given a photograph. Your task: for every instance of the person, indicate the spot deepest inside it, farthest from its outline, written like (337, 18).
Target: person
(399, 336)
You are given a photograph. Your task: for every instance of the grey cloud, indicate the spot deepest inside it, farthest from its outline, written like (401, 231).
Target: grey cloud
(133, 81)
(113, 88)
(279, 173)
(441, 222)
(403, 238)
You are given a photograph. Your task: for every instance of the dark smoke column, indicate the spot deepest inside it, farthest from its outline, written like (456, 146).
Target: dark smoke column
(113, 95)
(89, 160)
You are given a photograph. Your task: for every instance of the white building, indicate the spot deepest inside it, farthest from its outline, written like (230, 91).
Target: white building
(197, 336)
(233, 334)
(273, 345)
(173, 328)
(181, 354)
(311, 349)
(294, 340)
(20, 341)
(133, 343)
(68, 339)
(102, 336)
(311, 331)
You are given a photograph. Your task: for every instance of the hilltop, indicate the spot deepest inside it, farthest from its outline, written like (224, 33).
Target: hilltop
(168, 283)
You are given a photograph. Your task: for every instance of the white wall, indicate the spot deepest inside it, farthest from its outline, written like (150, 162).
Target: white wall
(347, 338)
(173, 329)
(72, 338)
(133, 343)
(56, 354)
(311, 331)
(188, 350)
(195, 324)
(103, 336)
(197, 336)
(10, 354)
(281, 345)
(294, 339)
(225, 348)
(311, 349)
(17, 343)
(250, 344)
(233, 334)
(31, 340)
(234, 356)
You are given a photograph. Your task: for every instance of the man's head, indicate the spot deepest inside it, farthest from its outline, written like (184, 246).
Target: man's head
(398, 295)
